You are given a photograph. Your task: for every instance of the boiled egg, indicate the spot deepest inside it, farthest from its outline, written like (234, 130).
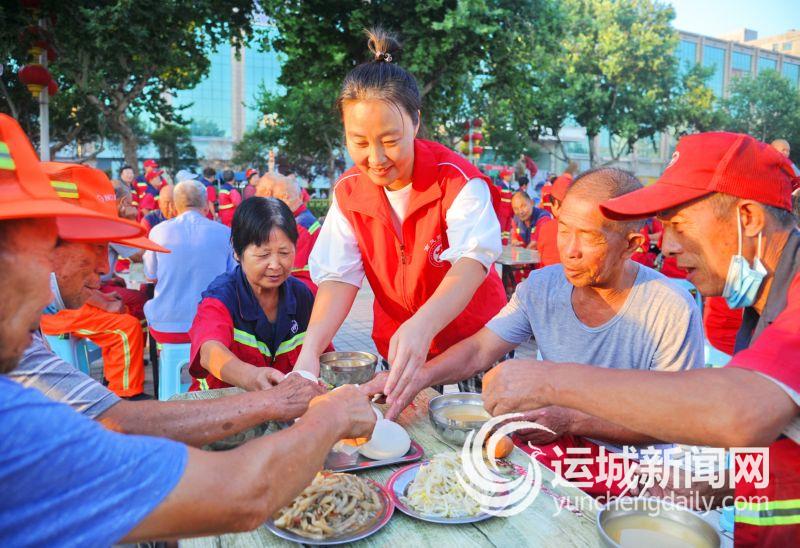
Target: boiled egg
(389, 441)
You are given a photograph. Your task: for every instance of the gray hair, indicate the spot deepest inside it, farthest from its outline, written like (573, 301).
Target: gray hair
(605, 183)
(723, 204)
(190, 195)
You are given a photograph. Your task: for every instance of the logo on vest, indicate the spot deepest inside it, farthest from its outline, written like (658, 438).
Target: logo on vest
(434, 250)
(294, 327)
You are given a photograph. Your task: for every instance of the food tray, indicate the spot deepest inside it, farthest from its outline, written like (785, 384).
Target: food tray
(370, 528)
(342, 462)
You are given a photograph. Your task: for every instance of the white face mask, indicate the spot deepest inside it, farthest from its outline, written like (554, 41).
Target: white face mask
(743, 282)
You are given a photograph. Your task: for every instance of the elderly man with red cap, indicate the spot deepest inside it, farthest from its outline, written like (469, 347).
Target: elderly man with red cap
(505, 211)
(68, 480)
(725, 202)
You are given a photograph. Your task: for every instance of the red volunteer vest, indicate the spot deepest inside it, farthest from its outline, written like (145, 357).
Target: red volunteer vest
(405, 275)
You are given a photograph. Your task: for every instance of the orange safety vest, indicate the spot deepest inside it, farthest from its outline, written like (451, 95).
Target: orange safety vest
(404, 274)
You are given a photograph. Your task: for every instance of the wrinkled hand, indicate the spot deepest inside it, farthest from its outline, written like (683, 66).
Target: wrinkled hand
(408, 351)
(515, 386)
(290, 397)
(264, 378)
(349, 410)
(558, 419)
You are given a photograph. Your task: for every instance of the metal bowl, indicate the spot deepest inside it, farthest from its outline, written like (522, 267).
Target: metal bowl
(340, 368)
(451, 430)
(688, 523)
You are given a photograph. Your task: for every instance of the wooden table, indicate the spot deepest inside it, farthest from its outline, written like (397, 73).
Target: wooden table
(536, 526)
(512, 259)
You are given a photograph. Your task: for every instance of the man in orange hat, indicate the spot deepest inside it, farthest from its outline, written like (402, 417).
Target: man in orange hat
(725, 202)
(67, 479)
(80, 308)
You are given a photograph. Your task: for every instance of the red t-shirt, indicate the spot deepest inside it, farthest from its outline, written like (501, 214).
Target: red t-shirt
(547, 242)
(721, 324)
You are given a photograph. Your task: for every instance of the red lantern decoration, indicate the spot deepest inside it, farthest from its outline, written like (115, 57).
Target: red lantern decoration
(32, 5)
(52, 87)
(477, 136)
(477, 150)
(35, 78)
(477, 122)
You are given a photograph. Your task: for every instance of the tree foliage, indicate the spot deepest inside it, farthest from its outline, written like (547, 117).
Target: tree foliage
(174, 145)
(124, 58)
(765, 106)
(451, 47)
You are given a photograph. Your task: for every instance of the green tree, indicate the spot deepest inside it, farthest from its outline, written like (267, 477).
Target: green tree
(175, 148)
(695, 107)
(125, 57)
(766, 106)
(452, 48)
(620, 70)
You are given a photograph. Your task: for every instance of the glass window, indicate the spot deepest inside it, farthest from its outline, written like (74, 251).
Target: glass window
(766, 64)
(210, 100)
(792, 72)
(687, 55)
(787, 46)
(741, 63)
(715, 57)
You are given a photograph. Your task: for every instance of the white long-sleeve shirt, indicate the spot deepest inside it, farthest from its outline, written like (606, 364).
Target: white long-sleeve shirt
(473, 231)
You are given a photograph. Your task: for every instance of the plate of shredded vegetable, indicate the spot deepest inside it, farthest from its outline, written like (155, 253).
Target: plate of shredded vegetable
(430, 491)
(336, 508)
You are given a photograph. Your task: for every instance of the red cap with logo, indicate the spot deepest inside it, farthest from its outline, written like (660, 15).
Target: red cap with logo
(90, 189)
(150, 163)
(560, 186)
(729, 163)
(506, 172)
(250, 172)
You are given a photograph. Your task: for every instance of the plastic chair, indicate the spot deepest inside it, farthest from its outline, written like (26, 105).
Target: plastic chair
(79, 353)
(173, 374)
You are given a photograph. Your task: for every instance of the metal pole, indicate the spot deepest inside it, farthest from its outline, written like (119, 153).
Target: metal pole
(44, 111)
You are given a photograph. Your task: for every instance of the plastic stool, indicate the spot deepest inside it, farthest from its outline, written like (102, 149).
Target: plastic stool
(79, 353)
(172, 360)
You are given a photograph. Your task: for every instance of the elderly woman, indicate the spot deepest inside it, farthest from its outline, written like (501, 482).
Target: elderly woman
(251, 322)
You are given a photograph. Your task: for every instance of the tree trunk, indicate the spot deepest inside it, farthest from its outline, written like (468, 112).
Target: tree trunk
(592, 150)
(130, 149)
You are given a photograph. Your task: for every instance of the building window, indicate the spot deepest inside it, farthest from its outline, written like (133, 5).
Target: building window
(715, 57)
(261, 71)
(208, 104)
(687, 55)
(766, 64)
(787, 46)
(741, 63)
(792, 72)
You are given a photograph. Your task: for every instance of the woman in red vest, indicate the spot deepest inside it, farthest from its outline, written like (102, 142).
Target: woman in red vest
(412, 216)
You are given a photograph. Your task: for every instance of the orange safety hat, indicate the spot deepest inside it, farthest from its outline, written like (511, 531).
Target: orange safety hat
(25, 190)
(91, 189)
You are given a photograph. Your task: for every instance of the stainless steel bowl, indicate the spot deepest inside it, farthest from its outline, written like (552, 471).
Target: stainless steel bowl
(653, 508)
(448, 429)
(340, 368)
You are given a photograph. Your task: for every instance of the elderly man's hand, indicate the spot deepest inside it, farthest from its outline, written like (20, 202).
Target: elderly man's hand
(558, 419)
(349, 409)
(291, 396)
(514, 386)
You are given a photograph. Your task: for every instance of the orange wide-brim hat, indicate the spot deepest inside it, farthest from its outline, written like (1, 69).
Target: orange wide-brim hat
(25, 190)
(91, 189)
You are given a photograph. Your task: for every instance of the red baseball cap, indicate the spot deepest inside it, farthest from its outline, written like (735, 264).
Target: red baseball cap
(90, 189)
(25, 190)
(150, 163)
(506, 172)
(560, 186)
(730, 163)
(153, 174)
(250, 172)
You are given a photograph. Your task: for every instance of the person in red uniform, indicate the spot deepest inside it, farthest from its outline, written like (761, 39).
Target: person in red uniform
(251, 176)
(144, 183)
(229, 198)
(547, 238)
(414, 217)
(505, 212)
(251, 322)
(306, 239)
(209, 180)
(725, 202)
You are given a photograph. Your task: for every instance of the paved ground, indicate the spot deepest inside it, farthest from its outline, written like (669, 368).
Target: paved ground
(355, 334)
